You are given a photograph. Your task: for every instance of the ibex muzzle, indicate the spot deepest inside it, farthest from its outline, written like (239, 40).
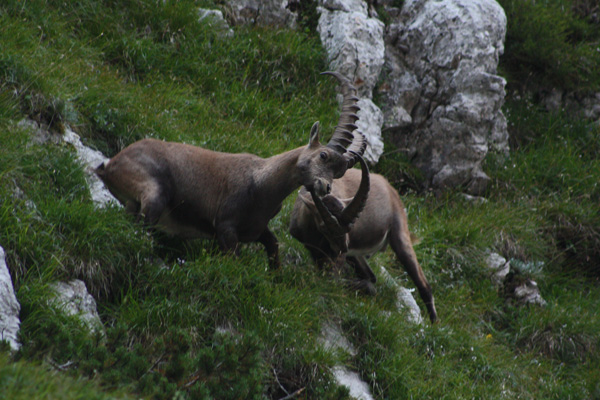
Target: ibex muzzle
(382, 221)
(197, 193)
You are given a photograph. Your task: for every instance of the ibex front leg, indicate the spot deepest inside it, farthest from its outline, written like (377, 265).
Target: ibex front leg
(268, 239)
(228, 240)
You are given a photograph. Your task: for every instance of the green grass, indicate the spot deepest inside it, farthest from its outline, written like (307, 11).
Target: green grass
(551, 44)
(183, 320)
(26, 380)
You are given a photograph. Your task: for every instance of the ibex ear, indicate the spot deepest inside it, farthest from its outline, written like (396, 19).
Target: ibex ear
(314, 136)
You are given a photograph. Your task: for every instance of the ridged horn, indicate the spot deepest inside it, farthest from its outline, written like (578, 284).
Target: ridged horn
(346, 139)
(331, 222)
(336, 226)
(353, 210)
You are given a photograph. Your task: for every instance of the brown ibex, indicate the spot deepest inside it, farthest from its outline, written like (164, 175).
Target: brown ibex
(335, 217)
(319, 225)
(197, 193)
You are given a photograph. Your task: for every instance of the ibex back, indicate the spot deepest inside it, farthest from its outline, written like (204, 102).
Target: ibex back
(197, 193)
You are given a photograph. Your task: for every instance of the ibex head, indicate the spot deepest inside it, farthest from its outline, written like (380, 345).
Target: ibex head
(335, 216)
(320, 164)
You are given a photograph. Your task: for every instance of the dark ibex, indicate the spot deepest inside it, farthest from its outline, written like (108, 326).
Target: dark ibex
(320, 226)
(197, 193)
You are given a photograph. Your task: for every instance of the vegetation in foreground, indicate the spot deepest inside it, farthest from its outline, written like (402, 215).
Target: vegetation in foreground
(182, 320)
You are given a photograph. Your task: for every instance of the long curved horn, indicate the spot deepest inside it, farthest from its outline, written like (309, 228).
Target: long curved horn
(352, 210)
(333, 226)
(345, 136)
(334, 232)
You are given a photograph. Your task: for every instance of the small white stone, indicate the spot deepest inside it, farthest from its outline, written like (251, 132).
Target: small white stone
(73, 299)
(499, 267)
(9, 307)
(358, 388)
(404, 298)
(90, 159)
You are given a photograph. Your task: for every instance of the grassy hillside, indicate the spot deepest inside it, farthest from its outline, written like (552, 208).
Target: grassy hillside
(184, 321)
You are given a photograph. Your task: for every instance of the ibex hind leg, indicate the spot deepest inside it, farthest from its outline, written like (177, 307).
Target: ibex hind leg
(401, 244)
(132, 207)
(153, 202)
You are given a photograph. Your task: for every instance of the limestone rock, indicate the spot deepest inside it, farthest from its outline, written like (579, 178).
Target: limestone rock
(346, 5)
(90, 159)
(370, 121)
(499, 267)
(261, 12)
(358, 388)
(215, 19)
(332, 338)
(529, 293)
(511, 278)
(440, 67)
(9, 307)
(354, 44)
(404, 298)
(355, 48)
(583, 105)
(73, 298)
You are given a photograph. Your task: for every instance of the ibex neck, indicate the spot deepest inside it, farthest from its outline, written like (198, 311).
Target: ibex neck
(280, 175)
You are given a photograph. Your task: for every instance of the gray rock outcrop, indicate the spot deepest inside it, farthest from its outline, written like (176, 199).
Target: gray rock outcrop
(441, 95)
(358, 388)
(261, 12)
(355, 48)
(9, 307)
(528, 292)
(353, 41)
(434, 68)
(370, 122)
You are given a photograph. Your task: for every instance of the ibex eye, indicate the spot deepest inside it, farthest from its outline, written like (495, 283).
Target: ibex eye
(323, 156)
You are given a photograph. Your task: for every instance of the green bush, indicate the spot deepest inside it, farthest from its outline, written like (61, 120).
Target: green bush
(548, 45)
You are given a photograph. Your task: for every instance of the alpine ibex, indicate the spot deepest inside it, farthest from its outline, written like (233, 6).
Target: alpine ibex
(197, 193)
(335, 217)
(320, 226)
